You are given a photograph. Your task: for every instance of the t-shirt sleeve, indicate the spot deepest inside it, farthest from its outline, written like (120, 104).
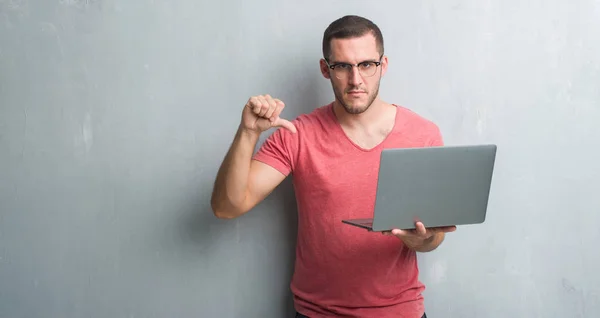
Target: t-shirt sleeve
(279, 151)
(436, 139)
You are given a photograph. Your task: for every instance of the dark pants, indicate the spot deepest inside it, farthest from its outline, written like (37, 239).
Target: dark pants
(299, 315)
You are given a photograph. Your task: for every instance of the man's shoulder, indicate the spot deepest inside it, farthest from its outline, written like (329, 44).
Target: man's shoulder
(414, 119)
(306, 123)
(313, 121)
(281, 148)
(315, 116)
(416, 129)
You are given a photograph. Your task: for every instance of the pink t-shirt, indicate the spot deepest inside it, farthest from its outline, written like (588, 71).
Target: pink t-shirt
(342, 270)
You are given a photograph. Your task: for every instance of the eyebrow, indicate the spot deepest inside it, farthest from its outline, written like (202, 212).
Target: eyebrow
(338, 62)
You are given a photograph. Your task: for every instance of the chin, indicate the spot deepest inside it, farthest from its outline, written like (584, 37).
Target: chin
(354, 105)
(355, 109)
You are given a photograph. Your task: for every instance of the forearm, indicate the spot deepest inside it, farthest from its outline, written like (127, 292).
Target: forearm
(427, 245)
(231, 185)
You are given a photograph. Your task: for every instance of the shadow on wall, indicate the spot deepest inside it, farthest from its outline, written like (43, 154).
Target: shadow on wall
(270, 228)
(199, 227)
(303, 91)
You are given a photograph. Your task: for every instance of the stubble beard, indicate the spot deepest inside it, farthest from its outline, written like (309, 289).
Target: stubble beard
(357, 109)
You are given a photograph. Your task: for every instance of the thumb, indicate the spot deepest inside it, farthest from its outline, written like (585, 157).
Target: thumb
(398, 232)
(280, 122)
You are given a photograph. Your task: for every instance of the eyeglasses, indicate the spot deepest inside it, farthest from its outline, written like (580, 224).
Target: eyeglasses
(342, 70)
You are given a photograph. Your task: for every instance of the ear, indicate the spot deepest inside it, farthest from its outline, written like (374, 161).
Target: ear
(324, 68)
(384, 65)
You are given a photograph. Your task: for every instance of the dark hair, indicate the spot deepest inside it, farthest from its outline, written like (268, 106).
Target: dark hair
(350, 26)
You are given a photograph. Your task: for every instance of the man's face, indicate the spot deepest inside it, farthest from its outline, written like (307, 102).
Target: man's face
(355, 87)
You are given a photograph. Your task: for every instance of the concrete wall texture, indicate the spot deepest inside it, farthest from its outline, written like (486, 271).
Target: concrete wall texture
(115, 115)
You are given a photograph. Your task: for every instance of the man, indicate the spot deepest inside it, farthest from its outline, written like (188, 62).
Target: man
(333, 154)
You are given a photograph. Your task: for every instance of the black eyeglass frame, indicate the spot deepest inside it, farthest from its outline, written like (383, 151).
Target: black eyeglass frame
(333, 66)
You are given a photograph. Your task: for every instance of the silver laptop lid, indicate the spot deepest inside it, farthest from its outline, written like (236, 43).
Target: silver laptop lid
(438, 186)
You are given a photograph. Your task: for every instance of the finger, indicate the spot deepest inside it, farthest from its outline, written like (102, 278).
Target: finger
(278, 109)
(402, 233)
(420, 228)
(280, 122)
(251, 101)
(446, 229)
(254, 104)
(264, 106)
(439, 229)
(272, 107)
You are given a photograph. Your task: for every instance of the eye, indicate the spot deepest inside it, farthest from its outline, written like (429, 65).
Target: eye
(343, 66)
(366, 64)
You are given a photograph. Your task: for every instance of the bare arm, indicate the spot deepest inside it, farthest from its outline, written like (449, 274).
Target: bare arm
(241, 182)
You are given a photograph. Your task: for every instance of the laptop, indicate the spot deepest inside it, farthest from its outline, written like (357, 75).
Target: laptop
(439, 186)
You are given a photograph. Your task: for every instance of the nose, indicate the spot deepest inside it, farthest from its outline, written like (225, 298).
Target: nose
(354, 78)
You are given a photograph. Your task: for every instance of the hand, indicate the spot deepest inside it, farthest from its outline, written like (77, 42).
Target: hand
(262, 112)
(420, 236)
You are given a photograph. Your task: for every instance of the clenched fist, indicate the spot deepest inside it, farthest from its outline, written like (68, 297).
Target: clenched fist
(262, 112)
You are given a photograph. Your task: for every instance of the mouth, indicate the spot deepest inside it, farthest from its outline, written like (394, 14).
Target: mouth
(355, 93)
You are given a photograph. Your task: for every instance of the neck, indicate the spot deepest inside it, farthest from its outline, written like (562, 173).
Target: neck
(372, 117)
